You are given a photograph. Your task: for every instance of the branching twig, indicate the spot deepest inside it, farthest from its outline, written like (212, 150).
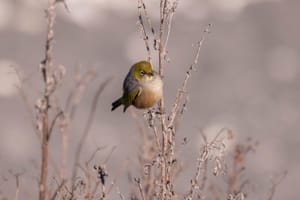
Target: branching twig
(138, 182)
(217, 144)
(167, 144)
(58, 189)
(17, 177)
(170, 15)
(183, 89)
(202, 160)
(275, 182)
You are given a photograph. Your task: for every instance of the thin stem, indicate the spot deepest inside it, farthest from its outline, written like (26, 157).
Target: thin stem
(54, 121)
(145, 36)
(138, 181)
(163, 4)
(46, 66)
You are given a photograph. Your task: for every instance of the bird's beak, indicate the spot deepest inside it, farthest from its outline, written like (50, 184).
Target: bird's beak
(150, 74)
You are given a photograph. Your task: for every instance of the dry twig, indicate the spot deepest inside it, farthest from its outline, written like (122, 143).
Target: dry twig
(17, 177)
(138, 182)
(275, 182)
(46, 68)
(212, 150)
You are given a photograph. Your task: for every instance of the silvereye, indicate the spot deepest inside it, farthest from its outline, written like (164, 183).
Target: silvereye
(142, 87)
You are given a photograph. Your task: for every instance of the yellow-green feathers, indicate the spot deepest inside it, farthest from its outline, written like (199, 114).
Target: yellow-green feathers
(142, 70)
(142, 87)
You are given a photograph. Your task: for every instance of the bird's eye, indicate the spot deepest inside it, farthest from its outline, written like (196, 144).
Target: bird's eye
(142, 73)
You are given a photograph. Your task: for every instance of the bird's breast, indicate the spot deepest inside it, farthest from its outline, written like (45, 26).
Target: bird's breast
(151, 92)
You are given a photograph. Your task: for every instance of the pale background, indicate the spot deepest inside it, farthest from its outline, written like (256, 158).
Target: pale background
(248, 80)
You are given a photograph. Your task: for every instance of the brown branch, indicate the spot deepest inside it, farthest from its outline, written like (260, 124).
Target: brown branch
(46, 67)
(163, 4)
(58, 189)
(167, 144)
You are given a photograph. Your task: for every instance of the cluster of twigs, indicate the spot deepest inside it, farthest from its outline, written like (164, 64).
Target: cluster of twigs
(158, 159)
(165, 136)
(160, 184)
(52, 77)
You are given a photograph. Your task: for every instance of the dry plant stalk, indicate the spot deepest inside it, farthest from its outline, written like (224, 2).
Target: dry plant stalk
(46, 68)
(159, 152)
(211, 151)
(166, 147)
(52, 76)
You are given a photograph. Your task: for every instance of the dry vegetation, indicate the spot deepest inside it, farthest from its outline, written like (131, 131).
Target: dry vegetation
(158, 157)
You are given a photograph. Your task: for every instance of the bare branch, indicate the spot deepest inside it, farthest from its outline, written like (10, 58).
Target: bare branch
(58, 189)
(54, 121)
(17, 177)
(169, 24)
(94, 154)
(46, 68)
(138, 182)
(183, 89)
(145, 36)
(275, 182)
(216, 144)
(164, 146)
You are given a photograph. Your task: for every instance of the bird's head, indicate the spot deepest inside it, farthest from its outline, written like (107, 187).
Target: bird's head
(142, 71)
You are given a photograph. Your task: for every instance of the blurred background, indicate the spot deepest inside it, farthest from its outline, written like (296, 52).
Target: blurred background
(247, 80)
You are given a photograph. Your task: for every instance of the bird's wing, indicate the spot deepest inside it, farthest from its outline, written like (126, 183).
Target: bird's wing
(131, 85)
(129, 98)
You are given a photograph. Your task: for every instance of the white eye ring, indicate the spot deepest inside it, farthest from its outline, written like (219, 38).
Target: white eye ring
(142, 73)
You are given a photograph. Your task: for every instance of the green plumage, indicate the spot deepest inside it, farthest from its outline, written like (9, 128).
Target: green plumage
(126, 100)
(142, 87)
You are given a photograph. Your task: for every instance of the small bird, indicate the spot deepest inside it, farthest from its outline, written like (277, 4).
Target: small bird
(142, 87)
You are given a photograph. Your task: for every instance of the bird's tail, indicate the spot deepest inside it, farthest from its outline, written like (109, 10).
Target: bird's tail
(116, 104)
